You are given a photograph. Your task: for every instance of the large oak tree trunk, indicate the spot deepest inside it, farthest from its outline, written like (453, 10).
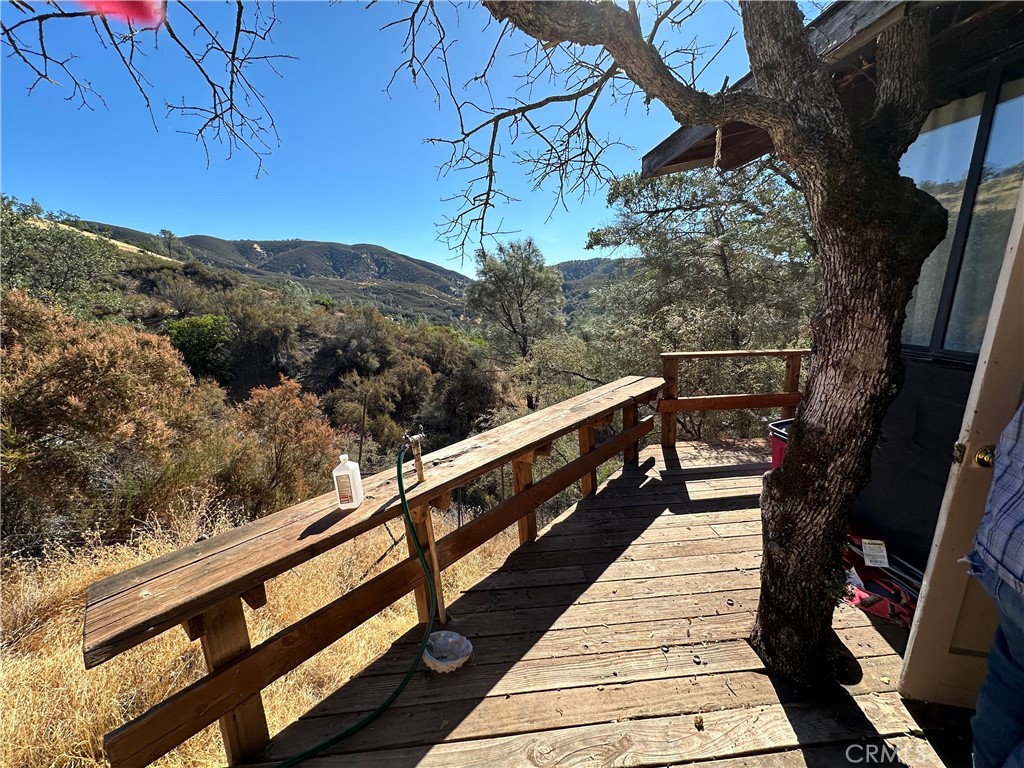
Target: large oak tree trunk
(874, 232)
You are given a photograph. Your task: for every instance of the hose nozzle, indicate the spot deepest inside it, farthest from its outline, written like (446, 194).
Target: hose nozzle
(413, 442)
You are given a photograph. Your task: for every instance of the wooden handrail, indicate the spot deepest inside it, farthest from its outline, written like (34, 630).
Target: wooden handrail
(670, 403)
(210, 608)
(734, 353)
(125, 609)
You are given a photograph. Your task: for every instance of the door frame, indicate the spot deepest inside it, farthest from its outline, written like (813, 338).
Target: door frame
(946, 657)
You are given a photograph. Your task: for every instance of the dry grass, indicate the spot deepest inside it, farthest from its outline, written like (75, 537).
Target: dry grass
(55, 712)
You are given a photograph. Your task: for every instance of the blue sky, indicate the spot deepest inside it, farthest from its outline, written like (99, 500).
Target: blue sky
(352, 165)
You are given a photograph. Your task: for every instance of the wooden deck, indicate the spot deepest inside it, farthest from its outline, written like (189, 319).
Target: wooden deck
(618, 638)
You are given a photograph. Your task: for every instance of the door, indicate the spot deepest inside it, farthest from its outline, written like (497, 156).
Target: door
(955, 620)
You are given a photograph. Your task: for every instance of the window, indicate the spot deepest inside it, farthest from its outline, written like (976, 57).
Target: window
(939, 161)
(970, 156)
(991, 221)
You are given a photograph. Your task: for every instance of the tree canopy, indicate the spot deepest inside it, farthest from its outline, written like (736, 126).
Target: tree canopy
(723, 261)
(517, 295)
(47, 257)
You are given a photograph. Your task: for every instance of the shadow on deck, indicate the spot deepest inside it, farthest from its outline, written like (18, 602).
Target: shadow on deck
(619, 637)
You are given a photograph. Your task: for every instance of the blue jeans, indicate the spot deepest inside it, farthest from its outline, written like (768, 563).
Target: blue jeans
(998, 722)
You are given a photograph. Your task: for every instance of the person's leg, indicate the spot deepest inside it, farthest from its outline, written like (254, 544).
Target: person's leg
(998, 722)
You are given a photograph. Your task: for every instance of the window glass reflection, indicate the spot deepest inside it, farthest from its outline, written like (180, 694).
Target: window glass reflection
(938, 161)
(991, 220)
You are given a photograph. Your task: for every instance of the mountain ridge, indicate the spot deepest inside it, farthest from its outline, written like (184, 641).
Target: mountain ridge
(360, 273)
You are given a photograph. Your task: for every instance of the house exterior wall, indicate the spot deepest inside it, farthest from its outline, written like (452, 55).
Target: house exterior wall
(970, 157)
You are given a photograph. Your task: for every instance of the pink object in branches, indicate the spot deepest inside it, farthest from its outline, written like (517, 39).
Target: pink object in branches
(142, 13)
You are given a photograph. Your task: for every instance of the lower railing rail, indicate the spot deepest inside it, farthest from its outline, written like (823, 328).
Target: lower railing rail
(670, 403)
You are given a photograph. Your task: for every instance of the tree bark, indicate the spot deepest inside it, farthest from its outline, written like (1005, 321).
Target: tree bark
(870, 252)
(874, 229)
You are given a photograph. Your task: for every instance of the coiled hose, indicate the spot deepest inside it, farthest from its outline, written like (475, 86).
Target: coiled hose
(432, 589)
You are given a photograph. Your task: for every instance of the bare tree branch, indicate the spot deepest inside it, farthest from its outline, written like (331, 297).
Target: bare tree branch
(561, 85)
(236, 114)
(618, 31)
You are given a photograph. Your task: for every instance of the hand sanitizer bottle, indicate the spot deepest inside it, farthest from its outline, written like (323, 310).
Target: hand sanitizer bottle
(348, 484)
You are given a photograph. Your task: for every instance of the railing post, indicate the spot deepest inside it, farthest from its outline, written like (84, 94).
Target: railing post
(588, 483)
(792, 383)
(670, 372)
(630, 418)
(522, 478)
(224, 638)
(423, 530)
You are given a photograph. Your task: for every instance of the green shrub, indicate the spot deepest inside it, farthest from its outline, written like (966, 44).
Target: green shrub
(204, 343)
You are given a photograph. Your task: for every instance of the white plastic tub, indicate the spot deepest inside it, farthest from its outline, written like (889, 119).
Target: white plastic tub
(447, 651)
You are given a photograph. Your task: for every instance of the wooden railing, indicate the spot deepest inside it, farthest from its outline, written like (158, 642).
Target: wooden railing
(670, 403)
(202, 587)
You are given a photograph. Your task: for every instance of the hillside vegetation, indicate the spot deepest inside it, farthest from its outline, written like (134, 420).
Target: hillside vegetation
(133, 378)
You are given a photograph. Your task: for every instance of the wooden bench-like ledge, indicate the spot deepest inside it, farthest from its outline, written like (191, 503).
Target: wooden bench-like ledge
(125, 609)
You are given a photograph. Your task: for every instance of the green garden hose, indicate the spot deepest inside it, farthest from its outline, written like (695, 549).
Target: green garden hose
(432, 588)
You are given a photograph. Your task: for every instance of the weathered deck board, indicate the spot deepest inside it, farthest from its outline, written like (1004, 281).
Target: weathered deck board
(479, 680)
(863, 639)
(522, 713)
(554, 541)
(658, 741)
(580, 555)
(602, 641)
(607, 591)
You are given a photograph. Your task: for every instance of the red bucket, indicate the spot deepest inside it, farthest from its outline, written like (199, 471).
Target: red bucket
(779, 433)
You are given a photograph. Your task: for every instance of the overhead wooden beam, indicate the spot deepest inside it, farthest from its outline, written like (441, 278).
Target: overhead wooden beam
(670, 148)
(840, 30)
(844, 28)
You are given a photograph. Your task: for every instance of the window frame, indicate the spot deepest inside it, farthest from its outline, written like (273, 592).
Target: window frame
(1001, 71)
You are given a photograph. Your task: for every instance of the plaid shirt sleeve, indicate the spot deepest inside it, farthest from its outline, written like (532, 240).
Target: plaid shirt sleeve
(1000, 539)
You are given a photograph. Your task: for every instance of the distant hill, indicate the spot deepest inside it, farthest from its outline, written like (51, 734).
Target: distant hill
(581, 277)
(356, 274)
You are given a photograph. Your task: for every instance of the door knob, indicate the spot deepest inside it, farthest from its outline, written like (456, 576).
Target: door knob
(986, 457)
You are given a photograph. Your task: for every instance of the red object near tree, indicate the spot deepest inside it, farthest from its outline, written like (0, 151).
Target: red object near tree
(146, 13)
(779, 432)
